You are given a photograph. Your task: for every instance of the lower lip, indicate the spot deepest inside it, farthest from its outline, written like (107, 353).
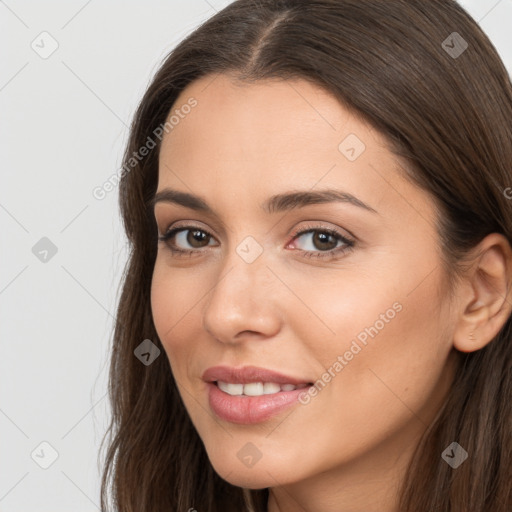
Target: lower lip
(246, 410)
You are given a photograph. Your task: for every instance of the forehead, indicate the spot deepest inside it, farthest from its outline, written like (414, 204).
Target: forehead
(265, 125)
(269, 136)
(289, 110)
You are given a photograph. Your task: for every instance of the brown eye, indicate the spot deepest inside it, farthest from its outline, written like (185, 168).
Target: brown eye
(186, 239)
(196, 238)
(322, 242)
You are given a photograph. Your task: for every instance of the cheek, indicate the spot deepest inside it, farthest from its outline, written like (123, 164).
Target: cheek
(377, 343)
(390, 381)
(172, 304)
(394, 350)
(174, 295)
(349, 315)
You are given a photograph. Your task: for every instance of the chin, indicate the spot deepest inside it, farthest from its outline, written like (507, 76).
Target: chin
(249, 479)
(259, 476)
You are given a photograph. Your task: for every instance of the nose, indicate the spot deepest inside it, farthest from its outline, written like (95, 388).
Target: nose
(243, 303)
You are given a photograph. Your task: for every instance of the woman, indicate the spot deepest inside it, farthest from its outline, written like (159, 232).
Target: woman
(316, 310)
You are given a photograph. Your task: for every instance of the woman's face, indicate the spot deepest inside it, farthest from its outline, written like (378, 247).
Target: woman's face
(320, 289)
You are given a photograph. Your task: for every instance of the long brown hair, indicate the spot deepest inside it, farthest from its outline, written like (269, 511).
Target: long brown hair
(446, 109)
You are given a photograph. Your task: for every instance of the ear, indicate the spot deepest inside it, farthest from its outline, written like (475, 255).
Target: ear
(486, 298)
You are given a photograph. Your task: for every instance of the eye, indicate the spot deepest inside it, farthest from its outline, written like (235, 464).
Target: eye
(192, 235)
(322, 242)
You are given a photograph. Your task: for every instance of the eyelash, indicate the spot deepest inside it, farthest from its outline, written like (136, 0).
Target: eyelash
(331, 253)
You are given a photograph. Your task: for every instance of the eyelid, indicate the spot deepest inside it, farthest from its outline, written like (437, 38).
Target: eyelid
(192, 224)
(319, 226)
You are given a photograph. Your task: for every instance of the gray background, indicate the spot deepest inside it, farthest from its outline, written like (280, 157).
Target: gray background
(65, 120)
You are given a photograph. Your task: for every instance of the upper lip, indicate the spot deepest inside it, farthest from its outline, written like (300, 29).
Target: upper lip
(248, 374)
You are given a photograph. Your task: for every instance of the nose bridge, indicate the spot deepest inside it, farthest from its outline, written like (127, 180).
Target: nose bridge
(241, 297)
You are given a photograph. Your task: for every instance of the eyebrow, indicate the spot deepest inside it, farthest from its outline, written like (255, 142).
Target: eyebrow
(278, 203)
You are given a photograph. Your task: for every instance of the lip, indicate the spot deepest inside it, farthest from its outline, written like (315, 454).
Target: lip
(247, 410)
(248, 374)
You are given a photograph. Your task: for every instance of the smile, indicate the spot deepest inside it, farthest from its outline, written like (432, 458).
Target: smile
(249, 394)
(256, 388)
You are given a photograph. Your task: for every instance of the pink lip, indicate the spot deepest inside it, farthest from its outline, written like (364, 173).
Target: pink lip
(249, 409)
(248, 374)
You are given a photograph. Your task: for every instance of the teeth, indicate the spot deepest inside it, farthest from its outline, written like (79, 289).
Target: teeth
(255, 388)
(231, 389)
(271, 387)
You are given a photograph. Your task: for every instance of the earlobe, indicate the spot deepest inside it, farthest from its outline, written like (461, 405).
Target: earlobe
(487, 303)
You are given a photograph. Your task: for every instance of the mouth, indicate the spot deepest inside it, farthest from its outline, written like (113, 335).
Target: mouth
(250, 394)
(257, 388)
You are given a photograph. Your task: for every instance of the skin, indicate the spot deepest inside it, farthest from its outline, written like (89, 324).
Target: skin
(347, 449)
